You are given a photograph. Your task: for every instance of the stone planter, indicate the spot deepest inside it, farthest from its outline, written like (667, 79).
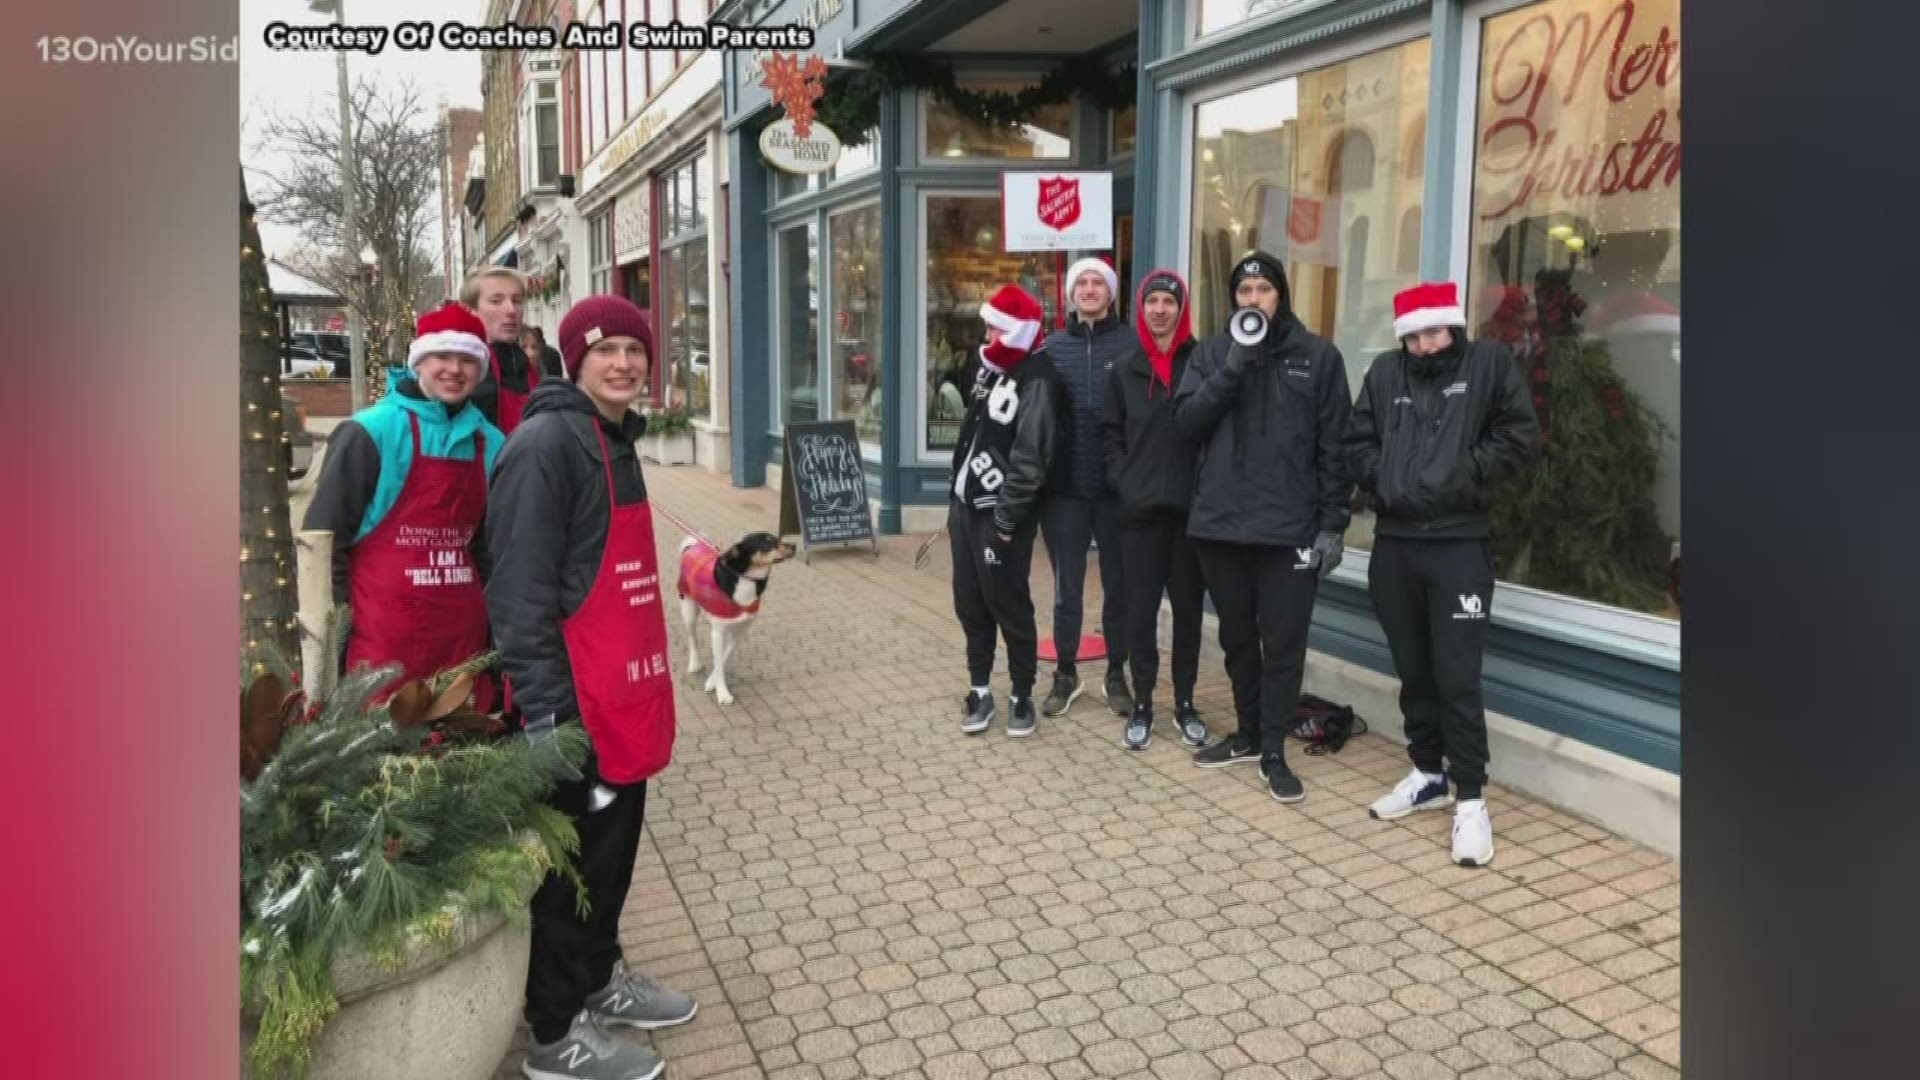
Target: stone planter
(440, 1016)
(668, 449)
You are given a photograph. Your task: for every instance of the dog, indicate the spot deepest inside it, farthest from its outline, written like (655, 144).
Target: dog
(728, 586)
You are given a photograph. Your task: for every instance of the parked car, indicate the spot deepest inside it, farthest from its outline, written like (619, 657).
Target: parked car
(303, 362)
(324, 344)
(293, 417)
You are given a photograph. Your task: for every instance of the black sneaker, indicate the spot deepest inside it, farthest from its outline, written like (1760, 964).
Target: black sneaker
(1066, 687)
(1020, 721)
(1139, 727)
(1187, 719)
(1228, 751)
(979, 713)
(1285, 786)
(1119, 698)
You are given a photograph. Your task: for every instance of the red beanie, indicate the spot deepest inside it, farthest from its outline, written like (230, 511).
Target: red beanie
(1017, 316)
(597, 317)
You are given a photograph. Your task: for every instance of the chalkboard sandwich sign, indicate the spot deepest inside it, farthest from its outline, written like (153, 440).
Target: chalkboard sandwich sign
(823, 485)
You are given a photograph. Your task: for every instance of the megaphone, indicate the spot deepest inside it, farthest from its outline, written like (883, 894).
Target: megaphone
(1248, 326)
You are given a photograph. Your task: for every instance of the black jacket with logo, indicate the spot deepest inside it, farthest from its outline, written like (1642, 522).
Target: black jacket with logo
(547, 518)
(1429, 447)
(1012, 440)
(1082, 354)
(1150, 462)
(1269, 438)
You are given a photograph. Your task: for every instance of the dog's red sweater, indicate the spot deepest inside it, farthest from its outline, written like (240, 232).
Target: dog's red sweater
(697, 581)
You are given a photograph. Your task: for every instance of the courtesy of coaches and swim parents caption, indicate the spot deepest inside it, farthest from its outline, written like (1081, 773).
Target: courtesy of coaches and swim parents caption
(417, 36)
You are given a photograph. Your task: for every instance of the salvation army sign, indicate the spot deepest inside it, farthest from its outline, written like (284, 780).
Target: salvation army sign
(1043, 211)
(784, 149)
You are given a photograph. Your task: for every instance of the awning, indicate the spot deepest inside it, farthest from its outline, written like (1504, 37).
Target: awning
(292, 287)
(504, 255)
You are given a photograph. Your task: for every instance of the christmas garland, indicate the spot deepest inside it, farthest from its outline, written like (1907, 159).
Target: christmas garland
(851, 105)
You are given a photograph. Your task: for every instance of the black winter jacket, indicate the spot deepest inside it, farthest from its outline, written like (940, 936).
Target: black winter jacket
(1270, 439)
(514, 373)
(1011, 441)
(1428, 450)
(1083, 353)
(547, 518)
(1150, 461)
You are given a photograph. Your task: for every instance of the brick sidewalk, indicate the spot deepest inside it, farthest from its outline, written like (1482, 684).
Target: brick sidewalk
(853, 888)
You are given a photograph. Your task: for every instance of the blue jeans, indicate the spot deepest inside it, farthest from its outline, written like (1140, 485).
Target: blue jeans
(1070, 526)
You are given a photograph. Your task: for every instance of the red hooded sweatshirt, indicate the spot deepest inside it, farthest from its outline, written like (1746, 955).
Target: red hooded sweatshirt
(1162, 362)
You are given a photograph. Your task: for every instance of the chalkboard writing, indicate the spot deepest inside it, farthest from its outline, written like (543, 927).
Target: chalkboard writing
(826, 483)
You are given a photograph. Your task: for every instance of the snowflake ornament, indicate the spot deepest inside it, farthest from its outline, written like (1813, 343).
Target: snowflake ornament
(795, 87)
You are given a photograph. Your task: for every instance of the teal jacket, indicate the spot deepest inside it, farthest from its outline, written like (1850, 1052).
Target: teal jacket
(369, 455)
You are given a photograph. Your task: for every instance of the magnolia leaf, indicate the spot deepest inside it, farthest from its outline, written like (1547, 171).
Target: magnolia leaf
(452, 698)
(263, 708)
(408, 706)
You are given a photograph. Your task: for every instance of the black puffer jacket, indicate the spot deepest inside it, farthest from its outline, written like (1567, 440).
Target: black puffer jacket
(1082, 354)
(1270, 438)
(1431, 435)
(547, 518)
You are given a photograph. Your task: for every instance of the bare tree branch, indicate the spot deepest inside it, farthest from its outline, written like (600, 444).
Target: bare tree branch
(397, 140)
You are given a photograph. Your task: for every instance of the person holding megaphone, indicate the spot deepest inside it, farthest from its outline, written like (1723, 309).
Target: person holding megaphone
(1266, 400)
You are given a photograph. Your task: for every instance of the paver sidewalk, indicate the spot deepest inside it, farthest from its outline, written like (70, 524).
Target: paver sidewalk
(853, 888)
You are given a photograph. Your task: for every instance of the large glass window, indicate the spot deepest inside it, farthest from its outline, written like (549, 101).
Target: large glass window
(600, 252)
(1123, 131)
(854, 246)
(965, 265)
(1574, 260)
(1311, 169)
(684, 308)
(798, 309)
(1220, 14)
(950, 134)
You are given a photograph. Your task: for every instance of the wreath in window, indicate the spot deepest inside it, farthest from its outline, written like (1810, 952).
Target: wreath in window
(851, 105)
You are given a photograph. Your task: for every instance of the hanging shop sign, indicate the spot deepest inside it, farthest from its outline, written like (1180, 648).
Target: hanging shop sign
(1056, 211)
(785, 149)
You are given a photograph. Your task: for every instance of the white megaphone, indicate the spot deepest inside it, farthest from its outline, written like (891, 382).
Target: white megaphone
(1248, 326)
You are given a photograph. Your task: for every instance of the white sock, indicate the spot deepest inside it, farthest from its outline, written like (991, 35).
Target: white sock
(983, 691)
(1434, 777)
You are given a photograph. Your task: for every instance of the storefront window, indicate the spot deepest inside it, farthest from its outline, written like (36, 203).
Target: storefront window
(854, 246)
(798, 309)
(1574, 260)
(1049, 135)
(600, 253)
(684, 312)
(1124, 133)
(965, 266)
(1220, 14)
(855, 160)
(1311, 169)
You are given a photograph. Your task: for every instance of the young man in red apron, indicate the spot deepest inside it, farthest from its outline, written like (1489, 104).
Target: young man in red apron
(496, 294)
(576, 600)
(404, 492)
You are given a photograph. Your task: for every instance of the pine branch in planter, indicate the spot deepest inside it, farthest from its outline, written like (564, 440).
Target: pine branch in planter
(359, 833)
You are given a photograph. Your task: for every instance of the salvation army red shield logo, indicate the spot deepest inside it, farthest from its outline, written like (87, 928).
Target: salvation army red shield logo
(1059, 202)
(1303, 220)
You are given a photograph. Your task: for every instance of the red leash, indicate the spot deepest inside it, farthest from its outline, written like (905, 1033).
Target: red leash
(682, 525)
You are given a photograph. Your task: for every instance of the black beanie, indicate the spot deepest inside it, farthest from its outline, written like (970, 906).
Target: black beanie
(1261, 265)
(1165, 283)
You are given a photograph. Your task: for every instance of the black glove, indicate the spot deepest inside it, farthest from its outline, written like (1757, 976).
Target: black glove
(1241, 357)
(539, 735)
(999, 549)
(1328, 549)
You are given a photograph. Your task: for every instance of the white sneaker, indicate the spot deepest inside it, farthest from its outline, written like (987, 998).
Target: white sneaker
(1419, 791)
(1472, 833)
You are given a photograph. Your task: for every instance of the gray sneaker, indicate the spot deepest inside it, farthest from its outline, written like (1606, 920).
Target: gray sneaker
(1066, 687)
(588, 1053)
(637, 1001)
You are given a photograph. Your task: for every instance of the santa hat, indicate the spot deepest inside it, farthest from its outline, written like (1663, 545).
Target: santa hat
(1633, 313)
(1017, 316)
(1427, 306)
(450, 328)
(595, 318)
(1100, 265)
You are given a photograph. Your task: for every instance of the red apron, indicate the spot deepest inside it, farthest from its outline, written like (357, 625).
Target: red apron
(617, 648)
(416, 596)
(512, 404)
